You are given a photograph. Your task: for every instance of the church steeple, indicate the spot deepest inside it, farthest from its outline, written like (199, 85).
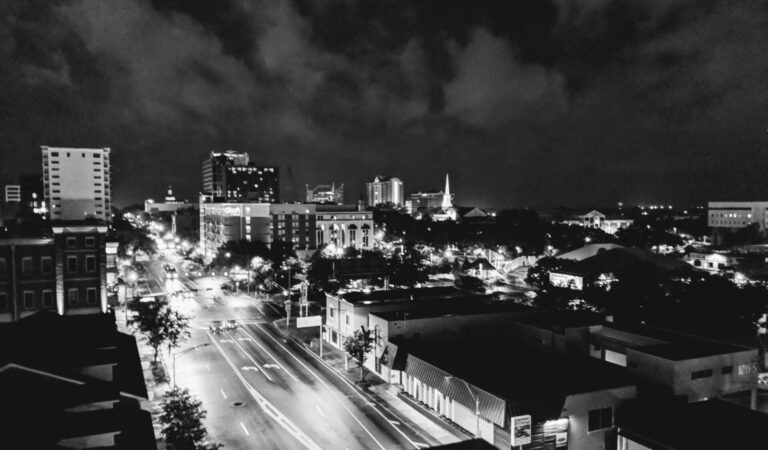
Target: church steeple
(447, 203)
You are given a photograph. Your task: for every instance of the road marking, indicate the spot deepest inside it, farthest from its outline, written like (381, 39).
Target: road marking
(421, 445)
(223, 394)
(267, 406)
(253, 338)
(245, 429)
(271, 366)
(394, 422)
(227, 341)
(246, 368)
(331, 391)
(244, 339)
(320, 411)
(251, 359)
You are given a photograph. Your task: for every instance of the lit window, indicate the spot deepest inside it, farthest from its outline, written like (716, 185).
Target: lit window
(45, 264)
(47, 299)
(72, 296)
(71, 264)
(91, 296)
(26, 264)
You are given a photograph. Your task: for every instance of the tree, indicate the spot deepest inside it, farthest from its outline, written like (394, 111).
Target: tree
(182, 420)
(357, 346)
(160, 324)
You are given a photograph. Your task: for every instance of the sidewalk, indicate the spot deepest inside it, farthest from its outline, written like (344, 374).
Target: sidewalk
(157, 381)
(427, 426)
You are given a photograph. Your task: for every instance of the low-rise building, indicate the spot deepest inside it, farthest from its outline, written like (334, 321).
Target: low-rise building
(595, 219)
(734, 215)
(169, 204)
(668, 363)
(62, 269)
(528, 400)
(347, 312)
(307, 227)
(72, 382)
(711, 262)
(326, 193)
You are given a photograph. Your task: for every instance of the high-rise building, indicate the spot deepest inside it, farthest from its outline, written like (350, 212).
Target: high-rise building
(76, 183)
(326, 193)
(231, 177)
(385, 190)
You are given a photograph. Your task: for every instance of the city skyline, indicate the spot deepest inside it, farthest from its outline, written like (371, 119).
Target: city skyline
(536, 104)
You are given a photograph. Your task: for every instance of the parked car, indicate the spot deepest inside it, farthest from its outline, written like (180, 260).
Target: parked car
(231, 324)
(215, 327)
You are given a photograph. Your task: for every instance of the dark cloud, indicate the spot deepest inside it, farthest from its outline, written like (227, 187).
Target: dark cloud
(528, 102)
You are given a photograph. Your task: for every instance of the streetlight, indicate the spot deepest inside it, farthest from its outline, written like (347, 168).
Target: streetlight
(181, 353)
(477, 403)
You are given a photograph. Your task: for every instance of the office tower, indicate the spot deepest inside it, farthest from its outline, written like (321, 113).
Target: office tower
(385, 190)
(231, 177)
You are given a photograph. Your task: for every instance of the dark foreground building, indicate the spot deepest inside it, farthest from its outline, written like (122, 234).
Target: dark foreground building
(71, 382)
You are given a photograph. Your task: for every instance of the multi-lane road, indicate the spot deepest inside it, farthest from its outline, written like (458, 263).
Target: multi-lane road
(264, 391)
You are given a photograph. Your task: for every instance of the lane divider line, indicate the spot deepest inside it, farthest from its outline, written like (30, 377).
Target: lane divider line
(345, 381)
(250, 358)
(330, 390)
(266, 406)
(244, 429)
(253, 338)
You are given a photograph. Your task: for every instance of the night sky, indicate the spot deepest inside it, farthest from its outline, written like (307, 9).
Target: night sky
(526, 103)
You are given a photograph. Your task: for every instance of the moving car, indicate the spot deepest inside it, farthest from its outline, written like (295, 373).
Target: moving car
(231, 324)
(215, 327)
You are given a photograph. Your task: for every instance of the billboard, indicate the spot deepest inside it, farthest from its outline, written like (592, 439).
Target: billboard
(309, 321)
(521, 430)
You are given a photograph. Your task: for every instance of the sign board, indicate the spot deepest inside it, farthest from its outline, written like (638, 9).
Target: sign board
(309, 321)
(561, 440)
(521, 430)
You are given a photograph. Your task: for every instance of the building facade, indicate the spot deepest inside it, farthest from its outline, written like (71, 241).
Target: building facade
(598, 220)
(76, 183)
(170, 203)
(326, 193)
(224, 222)
(231, 177)
(385, 190)
(64, 271)
(733, 215)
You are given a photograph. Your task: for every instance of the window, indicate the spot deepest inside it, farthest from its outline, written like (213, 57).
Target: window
(45, 264)
(701, 374)
(72, 296)
(71, 242)
(600, 419)
(347, 318)
(90, 263)
(47, 299)
(26, 264)
(71, 264)
(3, 266)
(29, 299)
(3, 301)
(91, 296)
(54, 153)
(332, 312)
(727, 370)
(90, 241)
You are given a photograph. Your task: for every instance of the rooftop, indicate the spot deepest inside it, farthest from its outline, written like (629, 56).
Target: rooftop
(542, 387)
(693, 426)
(459, 308)
(396, 295)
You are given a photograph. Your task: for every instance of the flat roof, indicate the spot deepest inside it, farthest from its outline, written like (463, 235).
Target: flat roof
(394, 295)
(459, 308)
(693, 426)
(678, 346)
(559, 321)
(521, 372)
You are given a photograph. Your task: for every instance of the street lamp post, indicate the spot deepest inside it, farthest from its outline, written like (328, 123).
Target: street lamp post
(477, 404)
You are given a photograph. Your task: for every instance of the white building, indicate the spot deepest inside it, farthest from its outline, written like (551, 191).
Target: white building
(77, 183)
(385, 190)
(598, 220)
(170, 204)
(711, 262)
(737, 214)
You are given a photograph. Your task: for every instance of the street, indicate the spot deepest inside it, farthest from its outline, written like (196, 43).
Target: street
(262, 390)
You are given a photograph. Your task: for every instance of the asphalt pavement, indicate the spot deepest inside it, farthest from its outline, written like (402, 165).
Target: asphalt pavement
(262, 390)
